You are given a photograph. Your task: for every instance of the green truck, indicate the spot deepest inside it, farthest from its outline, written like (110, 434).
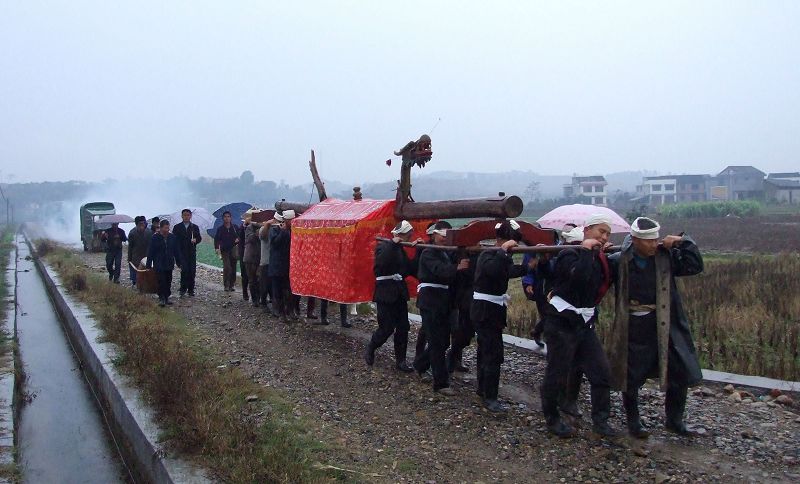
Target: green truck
(90, 228)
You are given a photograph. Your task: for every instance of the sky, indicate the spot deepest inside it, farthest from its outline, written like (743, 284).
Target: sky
(95, 89)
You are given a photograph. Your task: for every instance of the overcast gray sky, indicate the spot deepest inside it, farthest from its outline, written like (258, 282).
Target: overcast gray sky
(90, 90)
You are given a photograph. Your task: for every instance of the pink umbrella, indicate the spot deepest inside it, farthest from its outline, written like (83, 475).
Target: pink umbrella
(578, 213)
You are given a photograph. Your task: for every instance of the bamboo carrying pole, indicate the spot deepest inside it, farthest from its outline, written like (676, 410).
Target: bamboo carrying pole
(536, 249)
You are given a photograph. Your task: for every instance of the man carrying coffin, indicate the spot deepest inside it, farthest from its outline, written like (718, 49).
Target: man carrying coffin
(391, 267)
(650, 336)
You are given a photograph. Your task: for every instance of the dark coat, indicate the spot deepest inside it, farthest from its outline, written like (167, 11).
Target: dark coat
(390, 258)
(225, 237)
(114, 237)
(163, 254)
(492, 271)
(252, 245)
(280, 241)
(184, 236)
(679, 357)
(578, 277)
(138, 244)
(436, 267)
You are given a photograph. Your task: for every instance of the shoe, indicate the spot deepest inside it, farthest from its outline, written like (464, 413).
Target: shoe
(637, 430)
(245, 297)
(321, 322)
(116, 281)
(604, 430)
(182, 294)
(191, 293)
(558, 428)
(255, 303)
(494, 406)
(446, 391)
(311, 316)
(539, 342)
(369, 355)
(461, 368)
(347, 324)
(168, 302)
(680, 429)
(403, 366)
(161, 303)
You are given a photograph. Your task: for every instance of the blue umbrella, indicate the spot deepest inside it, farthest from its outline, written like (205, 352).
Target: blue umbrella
(237, 209)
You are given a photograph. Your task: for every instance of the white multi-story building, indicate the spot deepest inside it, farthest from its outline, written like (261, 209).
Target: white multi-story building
(592, 188)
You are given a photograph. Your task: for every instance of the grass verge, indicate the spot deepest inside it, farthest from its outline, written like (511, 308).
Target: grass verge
(208, 412)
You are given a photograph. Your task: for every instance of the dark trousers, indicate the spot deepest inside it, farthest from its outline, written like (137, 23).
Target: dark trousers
(437, 328)
(280, 294)
(228, 268)
(461, 337)
(264, 284)
(422, 342)
(188, 273)
(252, 278)
(674, 404)
(245, 281)
(113, 263)
(490, 357)
(323, 311)
(164, 279)
(392, 319)
(132, 274)
(570, 344)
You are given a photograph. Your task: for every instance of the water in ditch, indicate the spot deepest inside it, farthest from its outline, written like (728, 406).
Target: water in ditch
(61, 434)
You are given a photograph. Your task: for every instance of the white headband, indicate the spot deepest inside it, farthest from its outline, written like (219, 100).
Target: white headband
(289, 214)
(403, 228)
(647, 234)
(442, 232)
(512, 222)
(598, 218)
(574, 235)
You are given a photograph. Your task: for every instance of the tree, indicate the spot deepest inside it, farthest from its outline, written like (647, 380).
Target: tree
(532, 192)
(247, 177)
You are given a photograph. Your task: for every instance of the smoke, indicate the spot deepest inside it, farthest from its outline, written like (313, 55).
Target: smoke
(132, 197)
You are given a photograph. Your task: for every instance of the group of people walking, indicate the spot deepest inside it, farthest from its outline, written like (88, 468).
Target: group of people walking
(460, 297)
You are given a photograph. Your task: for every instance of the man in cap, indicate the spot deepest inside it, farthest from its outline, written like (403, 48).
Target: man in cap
(188, 236)
(114, 237)
(391, 267)
(651, 334)
(280, 239)
(437, 271)
(580, 279)
(138, 243)
(489, 308)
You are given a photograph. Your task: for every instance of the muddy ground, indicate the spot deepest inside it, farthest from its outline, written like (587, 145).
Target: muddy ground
(388, 426)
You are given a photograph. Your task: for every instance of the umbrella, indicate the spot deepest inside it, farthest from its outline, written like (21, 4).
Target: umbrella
(237, 209)
(115, 219)
(200, 216)
(578, 213)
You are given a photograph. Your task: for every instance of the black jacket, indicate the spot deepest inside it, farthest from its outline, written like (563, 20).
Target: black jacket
(280, 241)
(578, 276)
(138, 243)
(163, 253)
(184, 236)
(436, 267)
(492, 272)
(390, 258)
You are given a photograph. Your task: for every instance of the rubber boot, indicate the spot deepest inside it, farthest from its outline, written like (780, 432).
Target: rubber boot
(400, 350)
(675, 407)
(601, 411)
(630, 400)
